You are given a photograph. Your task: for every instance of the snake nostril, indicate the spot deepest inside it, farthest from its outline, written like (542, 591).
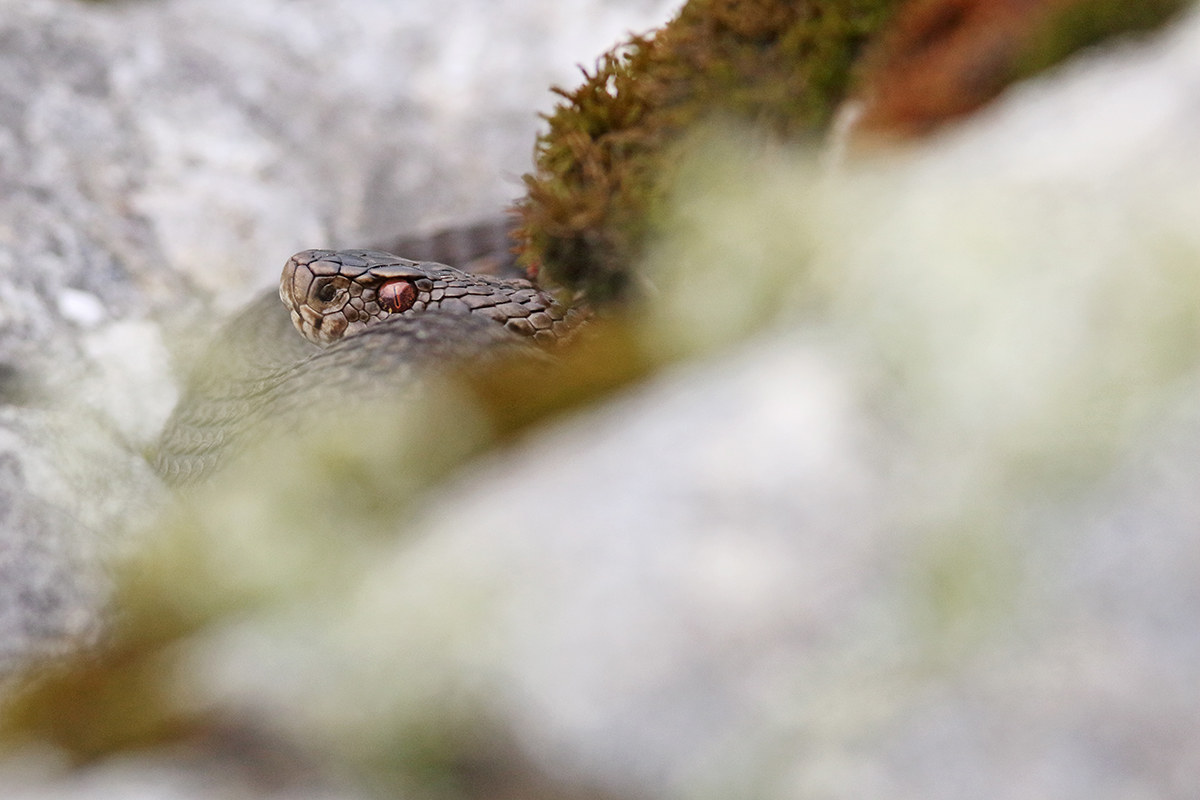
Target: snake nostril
(326, 293)
(397, 296)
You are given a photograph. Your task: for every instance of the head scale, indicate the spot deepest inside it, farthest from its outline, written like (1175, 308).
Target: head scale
(333, 293)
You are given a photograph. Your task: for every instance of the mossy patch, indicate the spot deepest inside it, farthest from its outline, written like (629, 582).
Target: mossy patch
(603, 168)
(942, 59)
(1084, 23)
(607, 162)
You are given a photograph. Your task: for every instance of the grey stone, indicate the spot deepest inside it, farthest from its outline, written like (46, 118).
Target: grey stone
(931, 535)
(158, 164)
(935, 539)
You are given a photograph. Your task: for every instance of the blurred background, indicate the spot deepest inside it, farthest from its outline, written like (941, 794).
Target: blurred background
(872, 475)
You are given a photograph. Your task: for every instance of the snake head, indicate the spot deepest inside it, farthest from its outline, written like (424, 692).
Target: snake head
(331, 293)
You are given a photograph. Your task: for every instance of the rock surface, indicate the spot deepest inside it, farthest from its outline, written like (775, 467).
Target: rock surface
(934, 539)
(916, 518)
(159, 163)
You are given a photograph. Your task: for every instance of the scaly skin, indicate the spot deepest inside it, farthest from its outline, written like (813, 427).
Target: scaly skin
(380, 322)
(332, 294)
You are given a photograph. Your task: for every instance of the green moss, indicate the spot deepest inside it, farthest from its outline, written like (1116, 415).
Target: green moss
(607, 162)
(1082, 24)
(604, 166)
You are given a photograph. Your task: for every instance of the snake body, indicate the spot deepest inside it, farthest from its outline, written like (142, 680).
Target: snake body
(373, 324)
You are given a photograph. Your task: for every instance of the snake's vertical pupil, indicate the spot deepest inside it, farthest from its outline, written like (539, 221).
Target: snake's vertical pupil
(397, 296)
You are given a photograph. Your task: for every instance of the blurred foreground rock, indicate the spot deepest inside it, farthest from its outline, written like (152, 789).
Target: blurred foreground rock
(919, 523)
(914, 516)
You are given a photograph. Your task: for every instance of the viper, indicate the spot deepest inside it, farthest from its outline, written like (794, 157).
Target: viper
(336, 293)
(352, 324)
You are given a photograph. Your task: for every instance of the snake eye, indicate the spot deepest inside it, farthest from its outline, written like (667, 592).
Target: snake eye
(327, 292)
(397, 296)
